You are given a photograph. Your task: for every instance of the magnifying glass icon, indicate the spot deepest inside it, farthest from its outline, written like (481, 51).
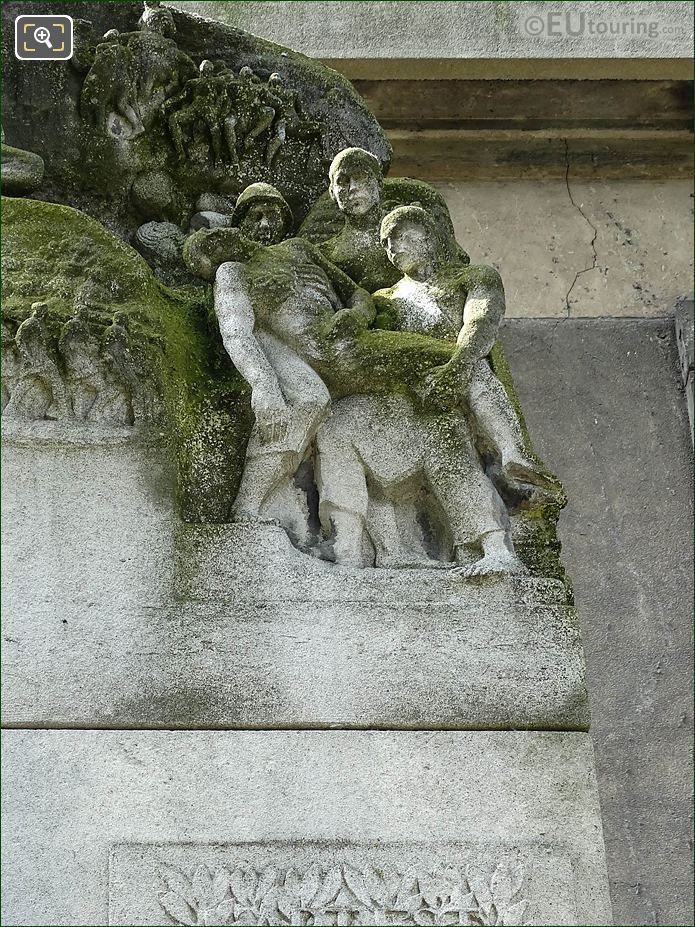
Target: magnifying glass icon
(43, 35)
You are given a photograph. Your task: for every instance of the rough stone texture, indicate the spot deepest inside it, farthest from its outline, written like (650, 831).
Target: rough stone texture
(74, 795)
(337, 29)
(156, 624)
(580, 248)
(604, 400)
(51, 109)
(684, 341)
(22, 171)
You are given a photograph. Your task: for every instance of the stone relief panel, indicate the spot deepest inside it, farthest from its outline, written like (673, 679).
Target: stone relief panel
(333, 884)
(77, 371)
(158, 108)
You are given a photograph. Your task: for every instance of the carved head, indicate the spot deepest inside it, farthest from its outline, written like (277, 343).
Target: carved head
(262, 214)
(412, 241)
(39, 311)
(206, 67)
(157, 18)
(355, 181)
(111, 35)
(275, 80)
(248, 74)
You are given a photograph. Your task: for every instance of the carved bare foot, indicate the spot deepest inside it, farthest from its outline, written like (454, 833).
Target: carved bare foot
(499, 561)
(498, 557)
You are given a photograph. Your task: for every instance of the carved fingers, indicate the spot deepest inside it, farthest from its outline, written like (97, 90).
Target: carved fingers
(443, 387)
(272, 425)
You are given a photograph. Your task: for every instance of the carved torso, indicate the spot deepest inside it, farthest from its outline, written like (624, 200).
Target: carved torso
(291, 295)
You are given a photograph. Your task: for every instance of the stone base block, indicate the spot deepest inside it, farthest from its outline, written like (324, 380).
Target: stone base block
(275, 827)
(117, 615)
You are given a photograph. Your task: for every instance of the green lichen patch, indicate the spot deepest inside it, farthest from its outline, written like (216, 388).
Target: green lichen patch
(57, 255)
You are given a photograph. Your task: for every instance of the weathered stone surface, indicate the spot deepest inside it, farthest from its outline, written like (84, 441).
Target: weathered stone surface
(135, 102)
(389, 799)
(626, 459)
(164, 625)
(22, 171)
(377, 30)
(580, 247)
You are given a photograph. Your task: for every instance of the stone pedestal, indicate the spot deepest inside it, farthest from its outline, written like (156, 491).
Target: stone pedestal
(120, 616)
(119, 827)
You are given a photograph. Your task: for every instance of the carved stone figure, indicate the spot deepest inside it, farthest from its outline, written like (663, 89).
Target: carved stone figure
(160, 67)
(109, 89)
(277, 314)
(96, 394)
(127, 363)
(346, 221)
(262, 216)
(355, 186)
(39, 391)
(461, 303)
(133, 73)
(385, 442)
(10, 367)
(203, 101)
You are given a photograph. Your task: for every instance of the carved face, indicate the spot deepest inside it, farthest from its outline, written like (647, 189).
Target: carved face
(411, 250)
(160, 21)
(264, 223)
(355, 191)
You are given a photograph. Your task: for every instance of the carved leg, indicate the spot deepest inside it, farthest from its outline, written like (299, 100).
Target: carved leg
(176, 124)
(83, 397)
(263, 473)
(31, 399)
(342, 485)
(216, 141)
(276, 142)
(264, 121)
(473, 508)
(497, 424)
(230, 138)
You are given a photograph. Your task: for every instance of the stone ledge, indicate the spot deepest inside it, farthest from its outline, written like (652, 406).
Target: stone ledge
(293, 665)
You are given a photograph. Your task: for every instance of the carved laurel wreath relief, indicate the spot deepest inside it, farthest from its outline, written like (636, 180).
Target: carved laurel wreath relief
(344, 896)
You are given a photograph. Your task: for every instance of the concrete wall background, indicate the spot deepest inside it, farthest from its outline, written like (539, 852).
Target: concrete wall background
(580, 248)
(605, 405)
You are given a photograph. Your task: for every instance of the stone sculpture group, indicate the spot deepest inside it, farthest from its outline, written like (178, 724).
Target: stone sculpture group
(382, 435)
(391, 468)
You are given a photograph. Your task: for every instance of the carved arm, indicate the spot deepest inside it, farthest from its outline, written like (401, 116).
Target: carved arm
(236, 320)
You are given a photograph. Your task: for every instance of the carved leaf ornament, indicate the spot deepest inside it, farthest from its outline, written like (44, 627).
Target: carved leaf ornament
(343, 895)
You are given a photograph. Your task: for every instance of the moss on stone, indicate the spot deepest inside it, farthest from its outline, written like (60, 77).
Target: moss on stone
(60, 256)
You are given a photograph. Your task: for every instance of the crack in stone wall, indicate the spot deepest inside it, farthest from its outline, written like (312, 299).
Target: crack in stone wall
(594, 253)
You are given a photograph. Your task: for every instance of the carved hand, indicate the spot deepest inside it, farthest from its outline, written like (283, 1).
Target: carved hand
(270, 410)
(444, 387)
